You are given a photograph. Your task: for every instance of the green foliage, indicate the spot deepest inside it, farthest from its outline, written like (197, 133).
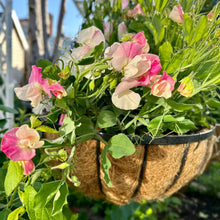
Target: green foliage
(13, 177)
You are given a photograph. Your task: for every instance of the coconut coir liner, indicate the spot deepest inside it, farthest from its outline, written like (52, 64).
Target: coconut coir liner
(167, 169)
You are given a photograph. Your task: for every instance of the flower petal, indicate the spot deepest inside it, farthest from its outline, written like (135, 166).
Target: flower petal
(127, 100)
(28, 166)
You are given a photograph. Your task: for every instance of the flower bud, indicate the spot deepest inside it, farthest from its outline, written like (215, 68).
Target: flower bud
(186, 87)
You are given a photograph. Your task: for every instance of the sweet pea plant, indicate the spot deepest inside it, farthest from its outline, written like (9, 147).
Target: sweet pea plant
(148, 68)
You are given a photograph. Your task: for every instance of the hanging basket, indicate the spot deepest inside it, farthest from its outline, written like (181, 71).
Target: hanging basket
(153, 172)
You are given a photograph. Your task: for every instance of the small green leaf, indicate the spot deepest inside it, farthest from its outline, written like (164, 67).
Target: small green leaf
(35, 122)
(43, 63)
(13, 177)
(120, 145)
(166, 52)
(45, 194)
(184, 126)
(47, 129)
(17, 212)
(68, 126)
(8, 109)
(51, 72)
(187, 27)
(106, 119)
(106, 165)
(60, 199)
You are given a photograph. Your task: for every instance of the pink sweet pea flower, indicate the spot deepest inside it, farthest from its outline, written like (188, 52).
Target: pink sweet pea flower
(20, 143)
(124, 4)
(33, 91)
(28, 166)
(135, 12)
(108, 29)
(211, 15)
(164, 86)
(140, 38)
(177, 14)
(155, 68)
(58, 90)
(62, 116)
(122, 29)
(122, 53)
(91, 36)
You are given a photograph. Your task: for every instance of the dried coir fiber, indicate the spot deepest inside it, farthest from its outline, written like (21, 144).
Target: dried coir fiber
(153, 172)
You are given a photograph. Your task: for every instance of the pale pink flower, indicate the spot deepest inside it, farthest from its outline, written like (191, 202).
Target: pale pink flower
(58, 90)
(122, 29)
(135, 12)
(108, 29)
(137, 67)
(177, 14)
(33, 91)
(91, 36)
(122, 53)
(28, 166)
(127, 100)
(163, 87)
(20, 143)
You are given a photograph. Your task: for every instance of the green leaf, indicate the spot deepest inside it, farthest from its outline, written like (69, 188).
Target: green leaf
(156, 28)
(179, 107)
(60, 199)
(43, 63)
(120, 145)
(47, 129)
(169, 118)
(161, 4)
(51, 72)
(106, 165)
(201, 30)
(106, 119)
(213, 103)
(14, 215)
(29, 194)
(8, 109)
(156, 126)
(184, 126)
(2, 178)
(13, 177)
(35, 122)
(85, 126)
(68, 126)
(166, 52)
(45, 194)
(4, 214)
(86, 60)
(187, 27)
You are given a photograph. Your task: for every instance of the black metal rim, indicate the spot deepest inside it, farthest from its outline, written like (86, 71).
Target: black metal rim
(167, 140)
